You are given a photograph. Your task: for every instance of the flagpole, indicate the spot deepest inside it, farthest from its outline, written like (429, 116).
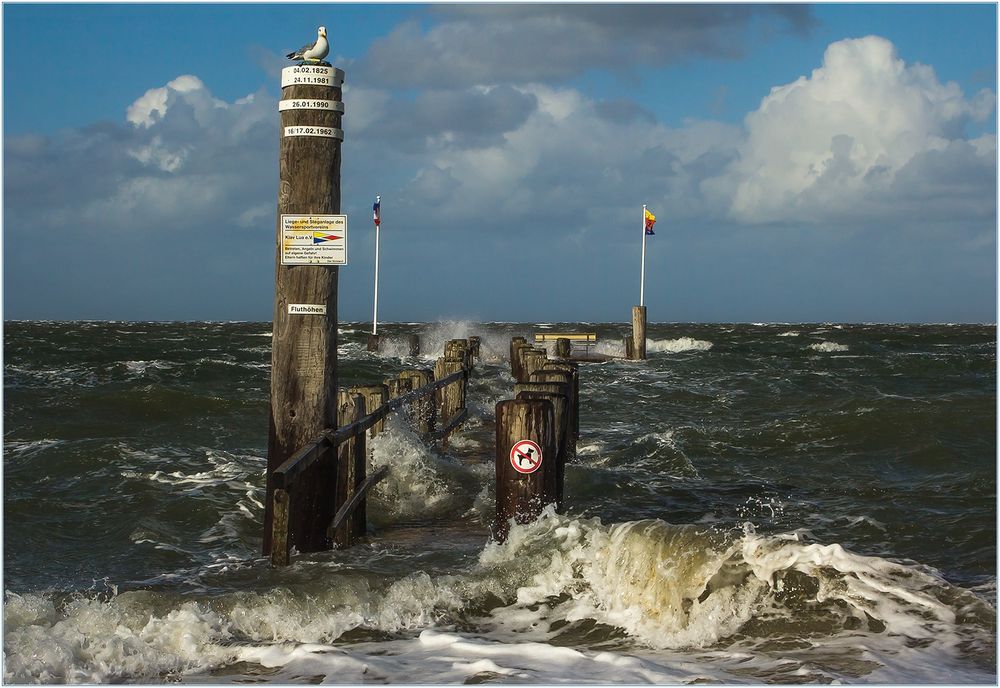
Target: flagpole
(642, 271)
(375, 312)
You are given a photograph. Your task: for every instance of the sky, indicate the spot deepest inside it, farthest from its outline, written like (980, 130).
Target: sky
(806, 163)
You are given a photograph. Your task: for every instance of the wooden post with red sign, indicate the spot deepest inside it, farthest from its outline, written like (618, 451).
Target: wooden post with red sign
(310, 245)
(526, 462)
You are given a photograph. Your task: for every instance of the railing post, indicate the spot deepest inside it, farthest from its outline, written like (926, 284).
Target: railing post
(280, 546)
(526, 470)
(352, 459)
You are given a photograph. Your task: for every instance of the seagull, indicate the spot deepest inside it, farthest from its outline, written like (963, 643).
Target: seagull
(313, 52)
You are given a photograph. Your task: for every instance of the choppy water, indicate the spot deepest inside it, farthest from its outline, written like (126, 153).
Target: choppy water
(753, 504)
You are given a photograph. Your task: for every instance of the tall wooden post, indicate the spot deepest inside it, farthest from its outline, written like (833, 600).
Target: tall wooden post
(638, 333)
(304, 344)
(525, 467)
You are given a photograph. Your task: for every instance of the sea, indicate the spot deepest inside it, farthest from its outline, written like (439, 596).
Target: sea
(752, 504)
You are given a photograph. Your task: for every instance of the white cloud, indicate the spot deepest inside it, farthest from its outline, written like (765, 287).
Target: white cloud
(835, 143)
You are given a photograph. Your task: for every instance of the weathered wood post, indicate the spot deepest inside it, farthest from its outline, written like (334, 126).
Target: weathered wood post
(352, 461)
(450, 399)
(474, 344)
(638, 333)
(398, 386)
(525, 461)
(558, 393)
(304, 345)
(423, 410)
(534, 359)
(574, 401)
(515, 343)
(563, 347)
(375, 396)
(374, 342)
(414, 344)
(459, 349)
(563, 377)
(629, 347)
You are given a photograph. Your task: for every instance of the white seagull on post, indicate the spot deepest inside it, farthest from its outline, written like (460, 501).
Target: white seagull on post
(313, 52)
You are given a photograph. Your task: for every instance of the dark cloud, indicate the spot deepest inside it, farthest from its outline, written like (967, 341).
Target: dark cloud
(488, 44)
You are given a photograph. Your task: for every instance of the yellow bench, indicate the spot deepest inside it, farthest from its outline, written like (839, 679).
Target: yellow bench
(582, 337)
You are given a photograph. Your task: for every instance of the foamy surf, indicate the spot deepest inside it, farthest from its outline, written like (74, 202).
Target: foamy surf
(675, 602)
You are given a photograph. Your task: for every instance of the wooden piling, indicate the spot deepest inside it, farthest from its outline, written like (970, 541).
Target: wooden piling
(563, 347)
(629, 347)
(515, 344)
(375, 396)
(474, 346)
(281, 547)
(414, 344)
(352, 460)
(398, 386)
(638, 333)
(566, 378)
(559, 394)
(374, 341)
(423, 410)
(526, 471)
(574, 401)
(450, 398)
(303, 400)
(533, 360)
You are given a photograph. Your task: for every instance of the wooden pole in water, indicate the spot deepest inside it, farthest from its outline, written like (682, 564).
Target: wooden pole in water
(375, 396)
(304, 345)
(414, 343)
(352, 461)
(526, 469)
(422, 410)
(515, 343)
(563, 347)
(639, 333)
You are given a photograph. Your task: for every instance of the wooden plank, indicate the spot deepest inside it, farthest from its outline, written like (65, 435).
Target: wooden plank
(348, 508)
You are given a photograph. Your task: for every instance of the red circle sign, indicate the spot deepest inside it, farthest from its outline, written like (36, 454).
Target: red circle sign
(526, 456)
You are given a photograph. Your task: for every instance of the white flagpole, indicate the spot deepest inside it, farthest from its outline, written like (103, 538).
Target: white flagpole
(642, 272)
(377, 227)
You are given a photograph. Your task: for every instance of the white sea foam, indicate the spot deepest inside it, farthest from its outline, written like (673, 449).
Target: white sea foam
(790, 333)
(678, 345)
(693, 604)
(828, 347)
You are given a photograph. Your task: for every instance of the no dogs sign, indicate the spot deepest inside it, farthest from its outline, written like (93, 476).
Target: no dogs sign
(525, 456)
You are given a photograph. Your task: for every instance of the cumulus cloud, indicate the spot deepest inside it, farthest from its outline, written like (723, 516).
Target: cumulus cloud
(488, 44)
(857, 136)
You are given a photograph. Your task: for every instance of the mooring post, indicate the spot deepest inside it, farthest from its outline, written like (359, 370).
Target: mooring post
(526, 469)
(414, 344)
(374, 341)
(629, 347)
(303, 397)
(352, 461)
(638, 333)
